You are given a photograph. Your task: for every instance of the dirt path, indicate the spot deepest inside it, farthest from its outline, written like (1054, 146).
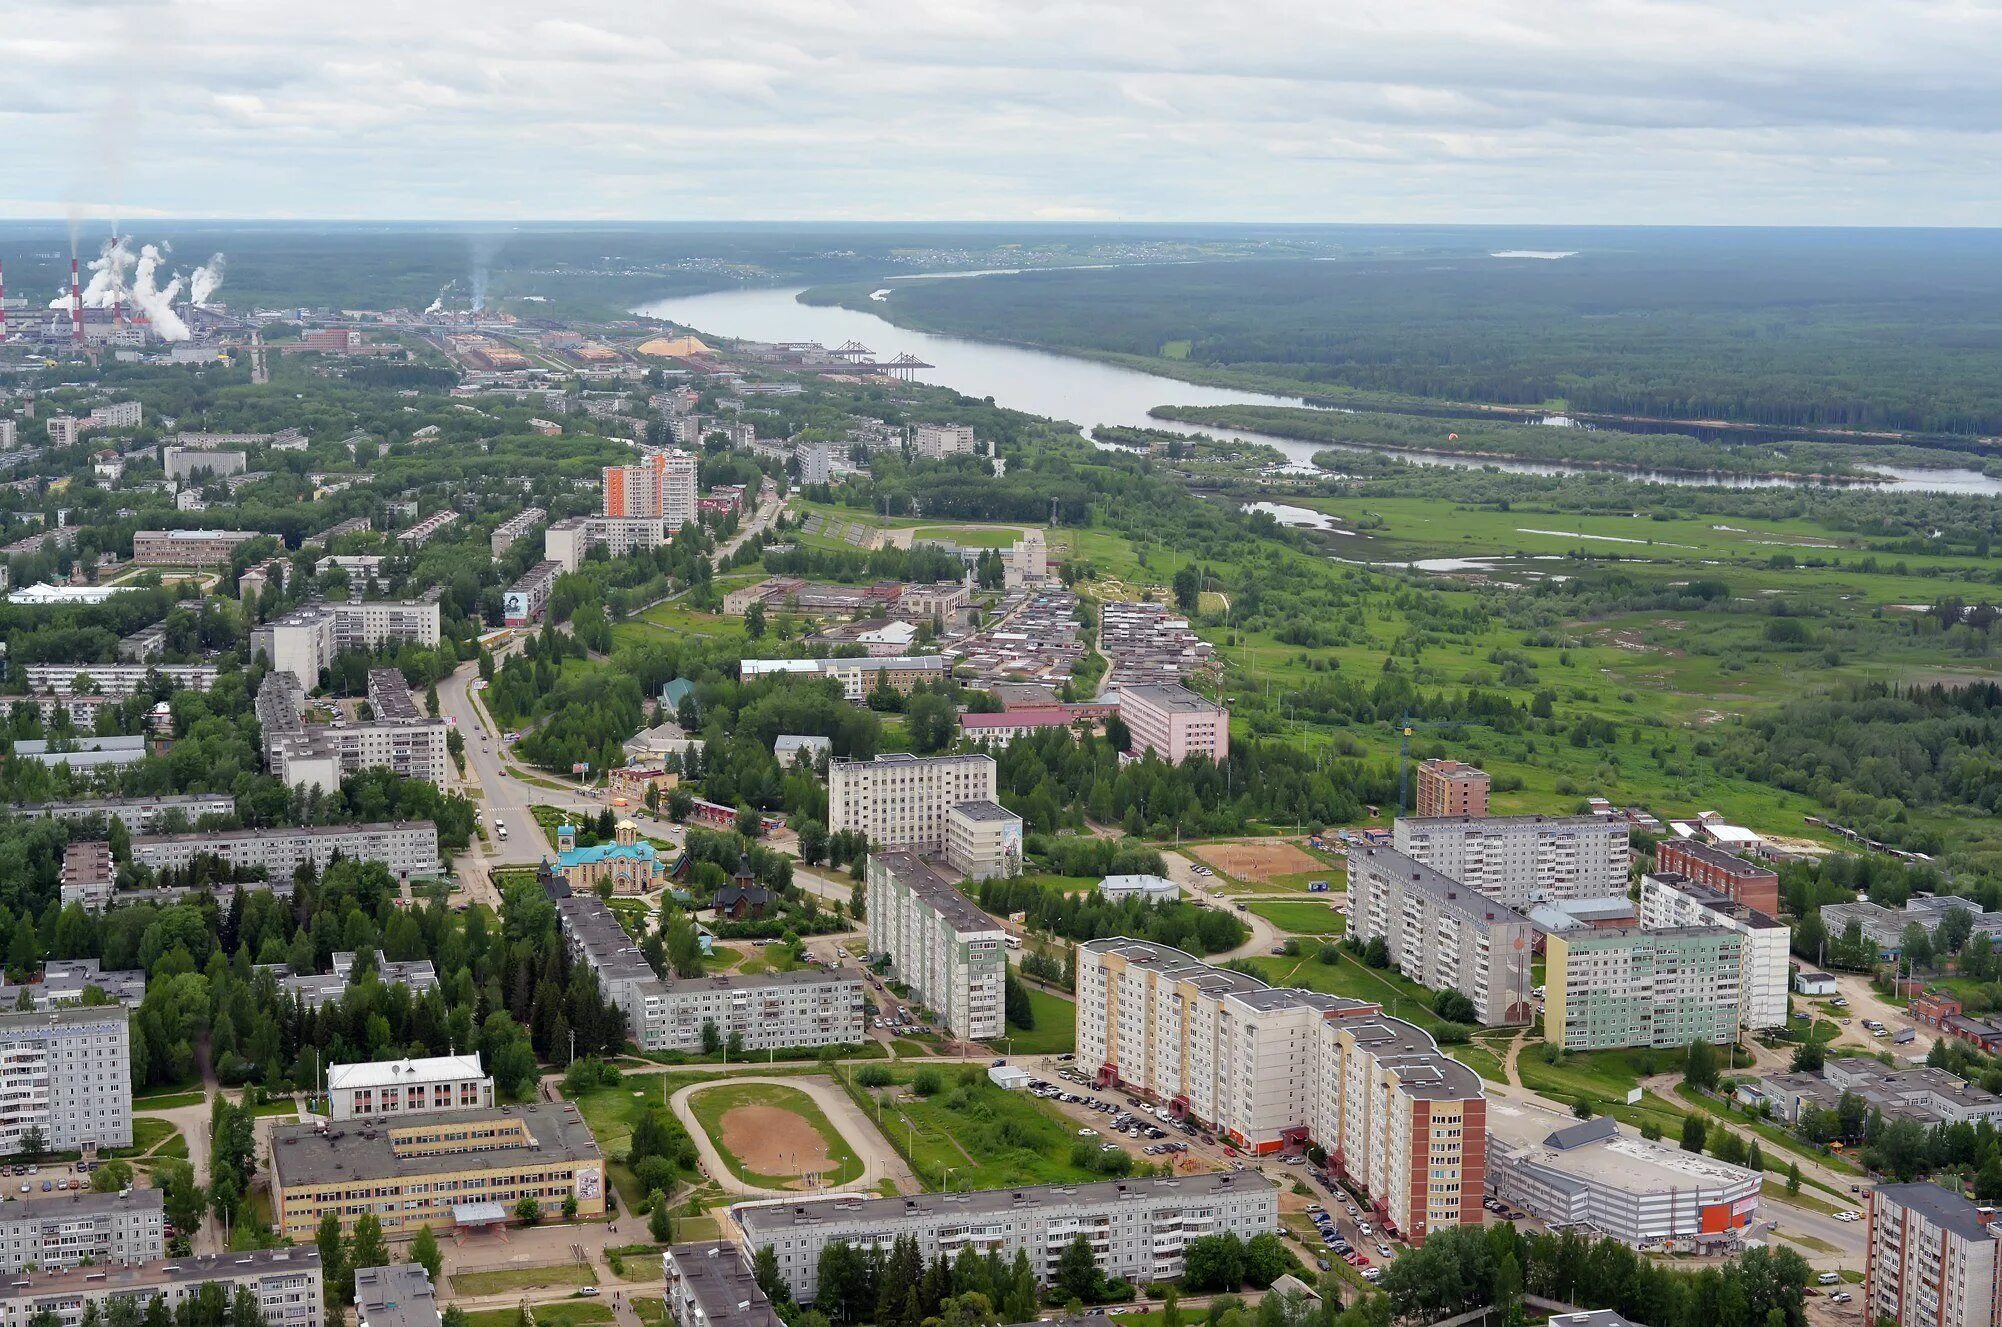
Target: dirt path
(1514, 1053)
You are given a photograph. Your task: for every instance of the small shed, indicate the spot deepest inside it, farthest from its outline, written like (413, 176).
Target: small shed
(1009, 1078)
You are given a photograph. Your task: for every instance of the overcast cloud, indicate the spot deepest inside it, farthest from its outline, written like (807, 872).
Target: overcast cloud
(1838, 111)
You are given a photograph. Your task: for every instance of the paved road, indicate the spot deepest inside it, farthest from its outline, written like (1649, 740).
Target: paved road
(879, 1160)
(1182, 870)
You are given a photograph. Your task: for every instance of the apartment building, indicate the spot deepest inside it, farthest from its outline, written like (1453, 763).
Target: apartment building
(952, 955)
(902, 801)
(1522, 859)
(54, 1232)
(139, 814)
(983, 840)
(1274, 1069)
(711, 1285)
(117, 415)
(1441, 933)
(63, 430)
(660, 488)
(597, 940)
(528, 596)
(409, 1087)
(286, 1283)
(88, 875)
(1631, 987)
(1137, 1228)
(305, 641)
(1174, 723)
(400, 1295)
(420, 1168)
(938, 441)
(427, 529)
(183, 463)
(187, 548)
(568, 541)
(256, 579)
(766, 1011)
(858, 677)
(401, 737)
(65, 981)
(1448, 788)
(1931, 1259)
(515, 528)
(118, 680)
(1741, 881)
(1671, 901)
(66, 1073)
(408, 848)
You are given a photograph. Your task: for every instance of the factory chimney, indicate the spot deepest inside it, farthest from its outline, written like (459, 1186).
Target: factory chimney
(3, 304)
(76, 304)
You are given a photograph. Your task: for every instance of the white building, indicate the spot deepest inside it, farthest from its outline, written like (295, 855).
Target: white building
(66, 1073)
(1669, 901)
(408, 1087)
(901, 801)
(407, 848)
(938, 441)
(285, 1283)
(305, 641)
(983, 840)
(1443, 934)
(514, 528)
(765, 1011)
(816, 463)
(118, 680)
(952, 955)
(1027, 562)
(54, 1232)
(1137, 1228)
(185, 463)
(1522, 859)
(1152, 888)
(568, 541)
(400, 737)
(117, 415)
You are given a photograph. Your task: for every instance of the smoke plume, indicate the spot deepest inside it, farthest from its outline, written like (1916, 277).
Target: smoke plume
(118, 276)
(205, 281)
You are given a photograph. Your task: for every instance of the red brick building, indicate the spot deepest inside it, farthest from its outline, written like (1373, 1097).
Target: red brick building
(1448, 788)
(1739, 880)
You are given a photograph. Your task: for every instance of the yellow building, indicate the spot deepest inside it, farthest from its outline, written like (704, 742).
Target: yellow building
(443, 1169)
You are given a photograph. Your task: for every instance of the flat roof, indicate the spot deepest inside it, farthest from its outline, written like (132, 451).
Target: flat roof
(200, 1268)
(981, 809)
(1713, 900)
(939, 890)
(389, 1073)
(713, 1274)
(760, 1218)
(1441, 889)
(1514, 822)
(733, 981)
(400, 1295)
(352, 1150)
(67, 1206)
(1718, 857)
(1945, 1209)
(1170, 696)
(1618, 1159)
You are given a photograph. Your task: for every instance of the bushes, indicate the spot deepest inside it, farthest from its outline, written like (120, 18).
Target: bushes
(927, 1083)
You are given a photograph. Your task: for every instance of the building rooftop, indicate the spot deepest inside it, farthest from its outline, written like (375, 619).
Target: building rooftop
(1599, 1152)
(727, 981)
(937, 889)
(715, 1277)
(1943, 1208)
(981, 809)
(390, 1073)
(1512, 822)
(1169, 696)
(1716, 901)
(1441, 890)
(1718, 857)
(144, 1276)
(68, 1206)
(317, 1153)
(759, 1220)
(400, 1295)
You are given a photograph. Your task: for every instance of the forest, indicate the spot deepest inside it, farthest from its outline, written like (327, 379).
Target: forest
(1785, 328)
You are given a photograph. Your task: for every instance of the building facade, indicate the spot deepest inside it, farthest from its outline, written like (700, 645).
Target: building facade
(902, 801)
(45, 1233)
(408, 1087)
(952, 955)
(938, 441)
(407, 848)
(66, 1074)
(515, 528)
(1448, 788)
(118, 680)
(1443, 934)
(765, 1011)
(660, 488)
(1931, 1259)
(1741, 881)
(858, 677)
(1138, 1229)
(1522, 859)
(1630, 987)
(1670, 901)
(527, 597)
(1174, 723)
(187, 548)
(305, 641)
(286, 1284)
(983, 840)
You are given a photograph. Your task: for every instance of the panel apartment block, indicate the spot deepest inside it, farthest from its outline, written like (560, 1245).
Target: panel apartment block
(286, 1283)
(407, 848)
(1741, 881)
(1630, 987)
(952, 955)
(52, 1232)
(66, 1072)
(305, 641)
(1441, 933)
(1174, 723)
(1137, 1228)
(1931, 1259)
(1669, 901)
(901, 801)
(1522, 859)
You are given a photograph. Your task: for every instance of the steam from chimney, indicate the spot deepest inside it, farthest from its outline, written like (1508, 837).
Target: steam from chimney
(158, 301)
(205, 281)
(119, 275)
(438, 305)
(485, 248)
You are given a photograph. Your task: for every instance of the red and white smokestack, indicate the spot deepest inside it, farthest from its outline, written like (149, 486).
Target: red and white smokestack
(76, 305)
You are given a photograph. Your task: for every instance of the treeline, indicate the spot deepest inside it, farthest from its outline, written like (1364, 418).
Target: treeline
(919, 565)
(1090, 916)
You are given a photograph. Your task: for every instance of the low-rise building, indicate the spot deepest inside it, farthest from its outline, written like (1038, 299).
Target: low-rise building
(952, 955)
(631, 864)
(427, 529)
(857, 677)
(1932, 1259)
(67, 981)
(1885, 927)
(1925, 1095)
(408, 1087)
(434, 1170)
(1598, 1176)
(408, 848)
(1632, 987)
(1138, 1229)
(285, 1283)
(187, 548)
(52, 1233)
(1443, 934)
(1152, 888)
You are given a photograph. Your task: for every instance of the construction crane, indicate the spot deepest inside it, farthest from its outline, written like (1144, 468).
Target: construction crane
(1405, 727)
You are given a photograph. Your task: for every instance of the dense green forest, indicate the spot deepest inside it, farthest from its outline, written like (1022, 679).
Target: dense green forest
(1786, 328)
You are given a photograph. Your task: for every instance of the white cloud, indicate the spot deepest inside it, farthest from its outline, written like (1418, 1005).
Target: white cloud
(1453, 110)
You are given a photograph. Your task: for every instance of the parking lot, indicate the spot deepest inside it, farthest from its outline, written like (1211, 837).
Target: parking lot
(58, 1178)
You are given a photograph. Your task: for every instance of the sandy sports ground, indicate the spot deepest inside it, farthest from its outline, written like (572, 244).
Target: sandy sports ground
(771, 1140)
(1260, 861)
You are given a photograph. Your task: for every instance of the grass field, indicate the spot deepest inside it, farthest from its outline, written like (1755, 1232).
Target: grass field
(1055, 1030)
(523, 1278)
(611, 1112)
(1299, 917)
(571, 1313)
(148, 1132)
(986, 1137)
(713, 1107)
(1350, 976)
(167, 1100)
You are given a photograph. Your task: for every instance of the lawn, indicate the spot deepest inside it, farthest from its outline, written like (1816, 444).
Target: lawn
(285, 1106)
(148, 1132)
(523, 1278)
(1350, 976)
(988, 1138)
(611, 1113)
(570, 1313)
(168, 1101)
(712, 1104)
(651, 1310)
(1055, 1030)
(1300, 917)
(1604, 1078)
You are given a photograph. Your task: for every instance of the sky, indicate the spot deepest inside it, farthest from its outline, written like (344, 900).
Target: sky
(1845, 112)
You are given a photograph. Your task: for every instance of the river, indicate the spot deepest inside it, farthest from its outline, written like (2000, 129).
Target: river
(1089, 392)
